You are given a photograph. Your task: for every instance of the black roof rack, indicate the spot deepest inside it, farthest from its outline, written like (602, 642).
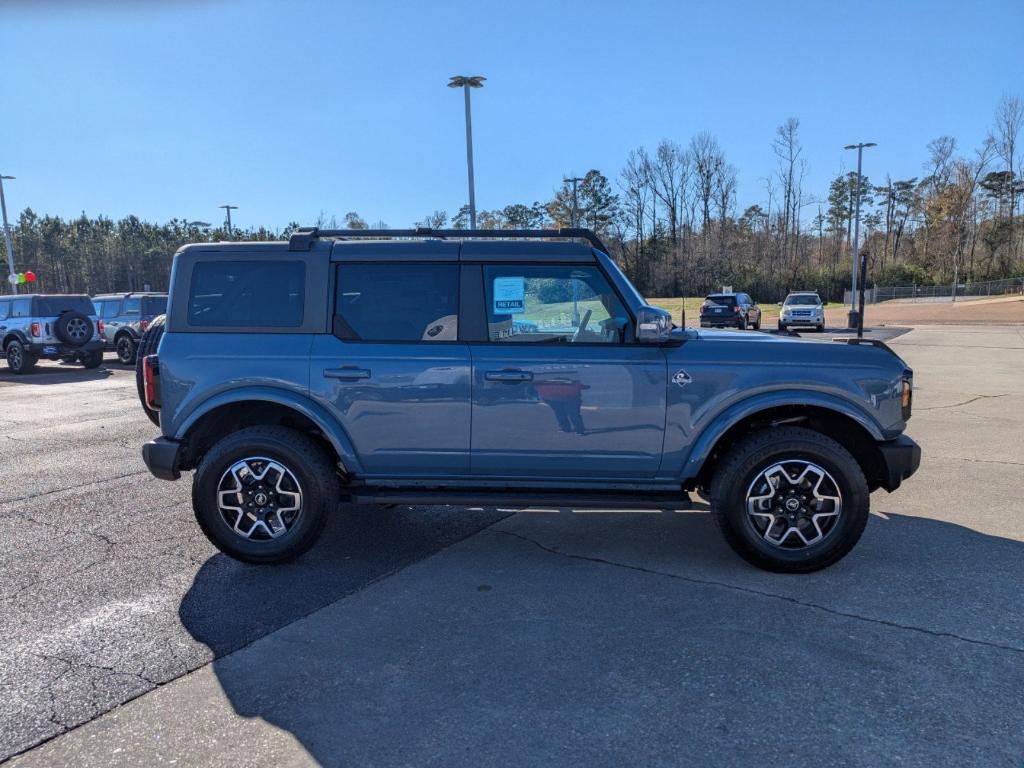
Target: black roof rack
(302, 239)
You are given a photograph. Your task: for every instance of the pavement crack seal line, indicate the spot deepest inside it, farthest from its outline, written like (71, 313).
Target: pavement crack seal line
(761, 593)
(5, 502)
(974, 399)
(187, 671)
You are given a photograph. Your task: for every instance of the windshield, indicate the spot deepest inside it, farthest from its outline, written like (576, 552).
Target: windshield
(51, 306)
(720, 301)
(803, 300)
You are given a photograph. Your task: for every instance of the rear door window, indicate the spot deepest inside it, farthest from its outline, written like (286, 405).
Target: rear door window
(247, 294)
(397, 302)
(132, 306)
(5, 308)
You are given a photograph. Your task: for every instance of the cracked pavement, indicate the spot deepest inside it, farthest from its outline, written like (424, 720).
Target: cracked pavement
(548, 637)
(98, 554)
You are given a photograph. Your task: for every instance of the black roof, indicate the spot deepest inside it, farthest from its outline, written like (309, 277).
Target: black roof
(303, 239)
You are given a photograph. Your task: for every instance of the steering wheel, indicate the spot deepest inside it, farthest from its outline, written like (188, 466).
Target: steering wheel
(583, 324)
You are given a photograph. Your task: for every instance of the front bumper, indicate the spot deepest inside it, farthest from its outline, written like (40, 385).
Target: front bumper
(802, 322)
(64, 350)
(901, 457)
(162, 457)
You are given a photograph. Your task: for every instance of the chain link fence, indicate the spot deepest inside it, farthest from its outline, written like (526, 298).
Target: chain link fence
(980, 290)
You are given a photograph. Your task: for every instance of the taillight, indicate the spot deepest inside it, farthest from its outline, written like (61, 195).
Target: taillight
(143, 325)
(151, 381)
(702, 308)
(907, 397)
(100, 326)
(36, 329)
(736, 309)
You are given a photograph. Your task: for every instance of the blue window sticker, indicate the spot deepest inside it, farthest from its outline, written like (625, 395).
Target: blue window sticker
(509, 296)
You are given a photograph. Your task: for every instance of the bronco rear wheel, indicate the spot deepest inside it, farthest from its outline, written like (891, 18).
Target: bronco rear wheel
(790, 500)
(262, 494)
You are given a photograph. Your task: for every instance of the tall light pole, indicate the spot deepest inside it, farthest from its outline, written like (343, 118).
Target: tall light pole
(465, 83)
(852, 317)
(575, 201)
(7, 232)
(229, 209)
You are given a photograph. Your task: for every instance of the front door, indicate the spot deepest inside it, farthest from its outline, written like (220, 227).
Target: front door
(393, 372)
(561, 389)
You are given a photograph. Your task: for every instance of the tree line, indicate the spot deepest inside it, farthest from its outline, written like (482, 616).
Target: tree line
(671, 220)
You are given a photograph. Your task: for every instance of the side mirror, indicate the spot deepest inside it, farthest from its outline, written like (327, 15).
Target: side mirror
(653, 325)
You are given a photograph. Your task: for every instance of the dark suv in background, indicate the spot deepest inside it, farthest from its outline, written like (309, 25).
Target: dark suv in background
(730, 310)
(51, 326)
(126, 316)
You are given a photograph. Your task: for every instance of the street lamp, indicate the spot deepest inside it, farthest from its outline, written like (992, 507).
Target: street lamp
(229, 209)
(465, 83)
(7, 232)
(852, 316)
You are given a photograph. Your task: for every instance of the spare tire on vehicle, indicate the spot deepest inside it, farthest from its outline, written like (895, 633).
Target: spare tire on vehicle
(73, 328)
(148, 345)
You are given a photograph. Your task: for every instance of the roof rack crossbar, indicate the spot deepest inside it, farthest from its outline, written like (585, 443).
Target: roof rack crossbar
(302, 239)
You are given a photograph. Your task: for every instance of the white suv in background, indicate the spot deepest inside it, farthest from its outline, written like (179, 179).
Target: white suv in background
(802, 310)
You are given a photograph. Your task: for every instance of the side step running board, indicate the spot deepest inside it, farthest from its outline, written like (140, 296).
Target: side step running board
(514, 497)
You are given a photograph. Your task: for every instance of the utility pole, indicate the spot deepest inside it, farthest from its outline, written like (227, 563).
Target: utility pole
(229, 209)
(852, 320)
(7, 233)
(465, 83)
(575, 180)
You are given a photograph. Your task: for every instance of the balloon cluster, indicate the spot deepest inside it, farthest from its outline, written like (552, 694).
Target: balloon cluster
(21, 278)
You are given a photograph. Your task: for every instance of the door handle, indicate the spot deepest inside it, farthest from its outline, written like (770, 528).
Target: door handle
(508, 376)
(347, 373)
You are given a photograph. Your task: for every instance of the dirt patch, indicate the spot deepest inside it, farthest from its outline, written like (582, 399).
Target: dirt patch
(1001, 311)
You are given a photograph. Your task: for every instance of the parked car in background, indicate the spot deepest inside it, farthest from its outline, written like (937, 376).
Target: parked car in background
(802, 310)
(125, 318)
(488, 368)
(51, 326)
(730, 310)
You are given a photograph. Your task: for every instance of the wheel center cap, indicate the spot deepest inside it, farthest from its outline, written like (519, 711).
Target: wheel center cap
(261, 498)
(792, 505)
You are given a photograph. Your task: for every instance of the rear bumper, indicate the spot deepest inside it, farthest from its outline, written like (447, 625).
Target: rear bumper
(732, 322)
(64, 350)
(162, 457)
(902, 457)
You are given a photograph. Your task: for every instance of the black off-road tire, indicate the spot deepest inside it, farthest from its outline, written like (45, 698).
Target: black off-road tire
(755, 453)
(306, 460)
(127, 349)
(148, 345)
(19, 359)
(93, 359)
(782, 327)
(82, 322)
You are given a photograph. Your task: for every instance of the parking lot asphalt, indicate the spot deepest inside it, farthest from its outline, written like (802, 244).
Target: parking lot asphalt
(451, 637)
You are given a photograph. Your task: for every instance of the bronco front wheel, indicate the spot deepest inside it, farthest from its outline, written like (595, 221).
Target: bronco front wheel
(262, 494)
(790, 500)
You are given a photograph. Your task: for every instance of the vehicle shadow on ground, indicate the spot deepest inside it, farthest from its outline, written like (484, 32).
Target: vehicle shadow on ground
(55, 374)
(570, 655)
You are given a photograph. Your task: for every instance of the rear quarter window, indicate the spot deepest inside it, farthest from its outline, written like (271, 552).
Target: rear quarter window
(247, 294)
(154, 305)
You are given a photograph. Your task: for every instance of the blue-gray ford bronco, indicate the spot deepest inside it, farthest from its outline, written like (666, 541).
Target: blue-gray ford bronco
(501, 368)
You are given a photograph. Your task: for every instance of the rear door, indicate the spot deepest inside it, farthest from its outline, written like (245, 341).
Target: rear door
(394, 370)
(561, 389)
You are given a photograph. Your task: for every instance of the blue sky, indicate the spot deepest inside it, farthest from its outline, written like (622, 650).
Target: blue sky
(169, 109)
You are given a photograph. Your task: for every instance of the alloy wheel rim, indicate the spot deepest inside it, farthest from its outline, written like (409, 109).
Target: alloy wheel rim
(794, 504)
(124, 349)
(76, 328)
(14, 356)
(259, 499)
